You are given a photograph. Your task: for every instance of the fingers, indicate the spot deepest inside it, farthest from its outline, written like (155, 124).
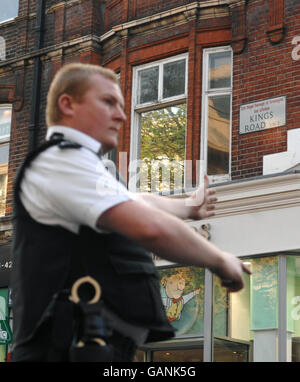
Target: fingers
(212, 200)
(206, 181)
(246, 269)
(210, 204)
(208, 214)
(211, 191)
(233, 286)
(210, 196)
(232, 274)
(238, 284)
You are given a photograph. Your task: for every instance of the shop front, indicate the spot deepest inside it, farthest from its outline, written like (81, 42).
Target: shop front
(256, 220)
(5, 303)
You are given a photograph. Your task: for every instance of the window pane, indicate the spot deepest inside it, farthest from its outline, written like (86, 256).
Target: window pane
(179, 355)
(247, 319)
(220, 70)
(3, 186)
(174, 79)
(139, 356)
(182, 291)
(230, 351)
(148, 85)
(4, 153)
(218, 135)
(264, 293)
(293, 306)
(8, 9)
(162, 148)
(5, 121)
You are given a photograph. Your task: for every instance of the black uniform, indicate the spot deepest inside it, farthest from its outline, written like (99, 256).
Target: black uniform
(48, 259)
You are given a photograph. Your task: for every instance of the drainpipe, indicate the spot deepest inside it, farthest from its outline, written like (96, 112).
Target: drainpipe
(36, 85)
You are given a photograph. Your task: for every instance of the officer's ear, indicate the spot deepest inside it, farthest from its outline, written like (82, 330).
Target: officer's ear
(65, 104)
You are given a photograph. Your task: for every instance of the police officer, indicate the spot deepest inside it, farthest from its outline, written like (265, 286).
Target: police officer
(73, 219)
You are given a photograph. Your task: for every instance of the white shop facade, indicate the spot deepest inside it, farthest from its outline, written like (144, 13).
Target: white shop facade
(257, 219)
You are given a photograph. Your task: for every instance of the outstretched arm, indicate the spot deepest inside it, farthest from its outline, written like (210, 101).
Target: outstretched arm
(171, 239)
(200, 205)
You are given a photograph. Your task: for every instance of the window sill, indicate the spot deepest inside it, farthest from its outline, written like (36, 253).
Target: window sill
(5, 222)
(7, 22)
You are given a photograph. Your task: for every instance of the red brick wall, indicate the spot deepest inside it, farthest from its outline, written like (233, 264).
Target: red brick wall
(118, 11)
(191, 36)
(63, 23)
(264, 70)
(148, 7)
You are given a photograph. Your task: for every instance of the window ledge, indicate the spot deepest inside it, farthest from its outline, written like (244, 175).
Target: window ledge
(5, 222)
(7, 22)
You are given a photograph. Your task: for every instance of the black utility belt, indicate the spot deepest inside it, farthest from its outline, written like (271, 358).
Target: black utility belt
(135, 333)
(82, 324)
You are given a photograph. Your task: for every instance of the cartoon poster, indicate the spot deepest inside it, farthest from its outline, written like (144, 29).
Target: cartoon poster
(182, 291)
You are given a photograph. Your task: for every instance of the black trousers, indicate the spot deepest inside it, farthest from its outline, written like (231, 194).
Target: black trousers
(124, 350)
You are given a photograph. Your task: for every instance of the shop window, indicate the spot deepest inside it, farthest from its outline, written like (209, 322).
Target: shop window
(159, 126)
(216, 113)
(5, 325)
(5, 124)
(182, 293)
(247, 321)
(178, 355)
(293, 306)
(8, 9)
(139, 356)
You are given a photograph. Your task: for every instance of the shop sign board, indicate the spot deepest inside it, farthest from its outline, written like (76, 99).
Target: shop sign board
(5, 265)
(262, 115)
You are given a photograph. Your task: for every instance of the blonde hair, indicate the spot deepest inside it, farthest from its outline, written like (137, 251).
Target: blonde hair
(73, 79)
(174, 276)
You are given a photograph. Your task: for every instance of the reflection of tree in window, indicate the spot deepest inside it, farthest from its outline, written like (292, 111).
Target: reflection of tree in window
(3, 184)
(265, 279)
(220, 309)
(218, 135)
(162, 138)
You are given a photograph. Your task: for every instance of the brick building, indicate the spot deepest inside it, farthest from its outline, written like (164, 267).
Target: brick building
(211, 85)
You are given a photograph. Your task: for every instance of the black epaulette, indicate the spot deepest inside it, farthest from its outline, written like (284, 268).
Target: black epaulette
(69, 145)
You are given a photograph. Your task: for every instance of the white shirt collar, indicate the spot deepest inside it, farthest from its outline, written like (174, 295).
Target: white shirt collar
(75, 136)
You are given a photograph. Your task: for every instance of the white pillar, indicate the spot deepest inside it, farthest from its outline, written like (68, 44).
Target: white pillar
(265, 345)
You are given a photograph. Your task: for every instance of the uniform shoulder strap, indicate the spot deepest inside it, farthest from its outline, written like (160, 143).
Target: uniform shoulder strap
(56, 140)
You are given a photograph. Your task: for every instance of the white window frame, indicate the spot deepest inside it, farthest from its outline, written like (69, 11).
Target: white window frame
(5, 138)
(137, 109)
(206, 93)
(12, 18)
